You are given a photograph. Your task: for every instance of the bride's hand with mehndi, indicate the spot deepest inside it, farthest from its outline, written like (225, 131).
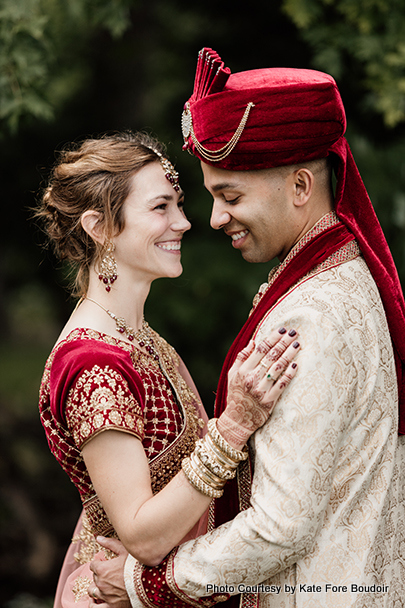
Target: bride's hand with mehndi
(256, 380)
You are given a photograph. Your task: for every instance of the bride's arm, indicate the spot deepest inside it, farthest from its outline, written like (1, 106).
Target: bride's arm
(150, 526)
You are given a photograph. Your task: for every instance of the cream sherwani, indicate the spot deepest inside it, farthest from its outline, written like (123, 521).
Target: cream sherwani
(328, 495)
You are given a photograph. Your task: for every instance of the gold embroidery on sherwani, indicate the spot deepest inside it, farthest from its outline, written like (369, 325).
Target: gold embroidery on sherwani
(344, 254)
(328, 492)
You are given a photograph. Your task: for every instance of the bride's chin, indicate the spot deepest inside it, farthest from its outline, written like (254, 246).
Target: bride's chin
(178, 272)
(173, 274)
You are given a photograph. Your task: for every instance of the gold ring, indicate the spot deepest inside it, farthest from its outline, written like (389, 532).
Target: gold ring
(262, 362)
(93, 593)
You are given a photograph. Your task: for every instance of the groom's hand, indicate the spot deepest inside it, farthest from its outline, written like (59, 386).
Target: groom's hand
(108, 589)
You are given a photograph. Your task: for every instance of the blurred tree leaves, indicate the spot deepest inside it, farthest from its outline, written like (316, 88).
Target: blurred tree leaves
(366, 37)
(42, 44)
(40, 58)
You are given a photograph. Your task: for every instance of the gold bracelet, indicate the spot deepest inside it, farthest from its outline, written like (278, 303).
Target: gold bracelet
(205, 474)
(223, 445)
(197, 482)
(212, 458)
(223, 458)
(213, 461)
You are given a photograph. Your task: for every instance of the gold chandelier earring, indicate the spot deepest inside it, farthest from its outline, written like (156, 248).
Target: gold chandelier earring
(108, 266)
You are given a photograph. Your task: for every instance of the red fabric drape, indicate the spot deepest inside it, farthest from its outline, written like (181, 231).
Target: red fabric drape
(314, 253)
(355, 210)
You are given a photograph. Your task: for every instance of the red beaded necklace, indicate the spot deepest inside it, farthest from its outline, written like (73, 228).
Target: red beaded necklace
(142, 335)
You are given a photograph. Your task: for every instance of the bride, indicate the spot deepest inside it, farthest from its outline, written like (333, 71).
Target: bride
(120, 410)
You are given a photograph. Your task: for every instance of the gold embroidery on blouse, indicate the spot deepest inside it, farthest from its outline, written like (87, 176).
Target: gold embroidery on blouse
(110, 405)
(81, 587)
(98, 519)
(164, 465)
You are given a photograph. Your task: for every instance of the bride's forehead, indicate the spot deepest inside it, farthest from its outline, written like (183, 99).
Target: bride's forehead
(151, 176)
(148, 188)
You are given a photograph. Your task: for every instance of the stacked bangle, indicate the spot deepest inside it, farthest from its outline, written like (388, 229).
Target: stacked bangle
(212, 463)
(196, 481)
(213, 459)
(223, 445)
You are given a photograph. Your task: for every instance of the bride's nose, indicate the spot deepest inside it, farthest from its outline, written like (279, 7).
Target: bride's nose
(180, 223)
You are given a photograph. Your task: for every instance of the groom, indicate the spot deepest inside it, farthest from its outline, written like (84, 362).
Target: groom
(321, 522)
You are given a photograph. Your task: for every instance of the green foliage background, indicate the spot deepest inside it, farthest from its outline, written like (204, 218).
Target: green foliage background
(71, 68)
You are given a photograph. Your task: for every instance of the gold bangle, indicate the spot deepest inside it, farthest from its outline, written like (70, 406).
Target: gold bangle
(223, 458)
(197, 482)
(214, 460)
(205, 474)
(223, 445)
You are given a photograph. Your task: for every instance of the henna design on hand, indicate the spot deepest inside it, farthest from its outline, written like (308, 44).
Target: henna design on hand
(251, 396)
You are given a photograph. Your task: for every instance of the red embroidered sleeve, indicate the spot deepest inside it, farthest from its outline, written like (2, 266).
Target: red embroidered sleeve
(156, 588)
(99, 400)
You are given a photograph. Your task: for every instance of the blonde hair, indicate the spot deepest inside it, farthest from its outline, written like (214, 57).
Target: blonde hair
(92, 175)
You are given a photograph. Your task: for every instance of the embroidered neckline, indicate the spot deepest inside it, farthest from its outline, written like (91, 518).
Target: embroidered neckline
(328, 220)
(87, 333)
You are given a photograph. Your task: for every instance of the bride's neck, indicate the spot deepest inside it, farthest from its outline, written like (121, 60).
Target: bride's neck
(124, 299)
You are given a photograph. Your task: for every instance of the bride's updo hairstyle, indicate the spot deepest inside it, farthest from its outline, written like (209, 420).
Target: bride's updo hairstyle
(94, 174)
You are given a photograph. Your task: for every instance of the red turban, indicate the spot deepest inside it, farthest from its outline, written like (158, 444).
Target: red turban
(282, 116)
